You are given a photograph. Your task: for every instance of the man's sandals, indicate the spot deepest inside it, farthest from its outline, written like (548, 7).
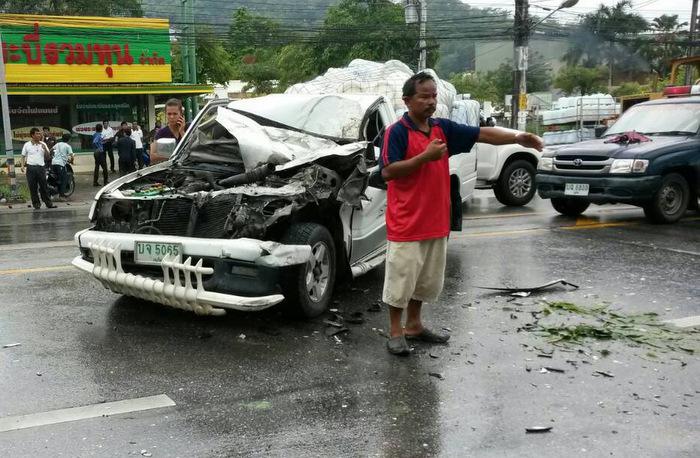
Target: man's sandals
(399, 346)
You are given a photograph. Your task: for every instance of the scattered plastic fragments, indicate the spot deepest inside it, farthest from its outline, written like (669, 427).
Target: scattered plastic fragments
(604, 374)
(538, 429)
(524, 292)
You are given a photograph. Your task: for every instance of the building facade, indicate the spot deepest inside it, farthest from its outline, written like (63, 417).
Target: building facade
(70, 73)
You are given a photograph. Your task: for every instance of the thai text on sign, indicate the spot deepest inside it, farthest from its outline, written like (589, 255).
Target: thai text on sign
(78, 49)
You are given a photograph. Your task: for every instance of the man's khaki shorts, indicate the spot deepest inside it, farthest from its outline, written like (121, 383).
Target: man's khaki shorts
(414, 270)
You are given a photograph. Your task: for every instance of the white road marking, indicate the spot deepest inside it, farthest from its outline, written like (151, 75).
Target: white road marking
(80, 413)
(687, 322)
(29, 246)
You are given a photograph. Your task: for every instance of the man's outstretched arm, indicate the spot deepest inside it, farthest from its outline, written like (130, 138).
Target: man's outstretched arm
(501, 136)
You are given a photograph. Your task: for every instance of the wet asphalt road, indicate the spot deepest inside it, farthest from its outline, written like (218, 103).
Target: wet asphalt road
(263, 385)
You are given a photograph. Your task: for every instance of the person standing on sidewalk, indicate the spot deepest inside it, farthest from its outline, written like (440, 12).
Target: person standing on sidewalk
(34, 155)
(137, 136)
(126, 149)
(99, 155)
(62, 155)
(49, 139)
(415, 164)
(108, 141)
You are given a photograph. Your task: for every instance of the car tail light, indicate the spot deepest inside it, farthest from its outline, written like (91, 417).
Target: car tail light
(677, 90)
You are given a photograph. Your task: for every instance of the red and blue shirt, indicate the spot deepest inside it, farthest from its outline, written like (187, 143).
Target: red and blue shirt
(418, 205)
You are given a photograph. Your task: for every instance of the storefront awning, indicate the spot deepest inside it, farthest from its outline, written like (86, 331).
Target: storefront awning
(107, 89)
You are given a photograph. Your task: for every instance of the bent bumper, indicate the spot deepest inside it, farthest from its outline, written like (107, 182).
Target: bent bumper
(609, 189)
(182, 284)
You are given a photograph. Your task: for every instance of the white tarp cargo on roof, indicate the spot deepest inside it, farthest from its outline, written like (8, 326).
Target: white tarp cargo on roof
(367, 77)
(331, 115)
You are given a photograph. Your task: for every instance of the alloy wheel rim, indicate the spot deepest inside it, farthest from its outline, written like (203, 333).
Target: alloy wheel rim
(520, 183)
(318, 271)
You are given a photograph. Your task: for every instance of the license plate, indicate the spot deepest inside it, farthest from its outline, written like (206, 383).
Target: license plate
(154, 252)
(576, 189)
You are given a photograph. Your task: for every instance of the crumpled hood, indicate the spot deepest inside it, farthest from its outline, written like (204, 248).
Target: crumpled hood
(285, 148)
(598, 147)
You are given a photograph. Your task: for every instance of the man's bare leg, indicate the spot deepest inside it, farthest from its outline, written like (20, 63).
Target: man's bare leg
(395, 316)
(413, 321)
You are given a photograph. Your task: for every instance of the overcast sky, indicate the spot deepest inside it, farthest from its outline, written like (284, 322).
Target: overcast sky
(647, 8)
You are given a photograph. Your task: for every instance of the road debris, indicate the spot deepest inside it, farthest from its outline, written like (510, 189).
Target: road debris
(538, 429)
(600, 323)
(554, 369)
(335, 324)
(355, 318)
(525, 292)
(437, 375)
(604, 374)
(375, 307)
(333, 331)
(10, 345)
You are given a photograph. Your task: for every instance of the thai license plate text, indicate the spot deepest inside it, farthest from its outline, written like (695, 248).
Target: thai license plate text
(154, 252)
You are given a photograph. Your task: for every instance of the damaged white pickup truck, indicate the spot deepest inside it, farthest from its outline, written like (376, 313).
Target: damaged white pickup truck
(263, 200)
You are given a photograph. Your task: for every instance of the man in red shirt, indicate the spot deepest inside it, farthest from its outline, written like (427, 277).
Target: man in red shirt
(415, 164)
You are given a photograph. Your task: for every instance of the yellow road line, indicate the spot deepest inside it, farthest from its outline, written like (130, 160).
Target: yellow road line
(518, 215)
(497, 233)
(35, 269)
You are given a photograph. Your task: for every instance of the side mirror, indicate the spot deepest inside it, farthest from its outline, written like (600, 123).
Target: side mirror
(165, 147)
(491, 122)
(599, 131)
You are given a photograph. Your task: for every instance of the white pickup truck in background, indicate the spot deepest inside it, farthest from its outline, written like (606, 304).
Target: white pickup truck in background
(507, 169)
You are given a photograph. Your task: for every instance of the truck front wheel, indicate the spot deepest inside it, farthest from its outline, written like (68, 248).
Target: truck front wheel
(671, 200)
(516, 186)
(570, 207)
(308, 287)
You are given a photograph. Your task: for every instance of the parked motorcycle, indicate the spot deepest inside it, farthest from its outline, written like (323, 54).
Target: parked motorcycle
(52, 181)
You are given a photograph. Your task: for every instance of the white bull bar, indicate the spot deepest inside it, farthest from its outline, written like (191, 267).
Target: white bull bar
(107, 268)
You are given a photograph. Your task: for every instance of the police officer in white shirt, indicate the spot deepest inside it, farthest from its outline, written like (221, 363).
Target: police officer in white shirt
(137, 136)
(33, 153)
(108, 141)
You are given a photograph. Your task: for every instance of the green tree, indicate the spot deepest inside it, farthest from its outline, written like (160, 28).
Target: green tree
(253, 43)
(130, 8)
(214, 63)
(629, 88)
(295, 63)
(478, 85)
(605, 37)
(584, 80)
(368, 29)
(666, 44)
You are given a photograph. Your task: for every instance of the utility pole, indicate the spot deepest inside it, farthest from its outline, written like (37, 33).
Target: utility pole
(521, 28)
(192, 57)
(422, 60)
(416, 11)
(692, 36)
(6, 127)
(185, 51)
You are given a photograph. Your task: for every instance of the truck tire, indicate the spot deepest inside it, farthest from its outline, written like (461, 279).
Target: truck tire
(569, 207)
(516, 186)
(670, 201)
(308, 287)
